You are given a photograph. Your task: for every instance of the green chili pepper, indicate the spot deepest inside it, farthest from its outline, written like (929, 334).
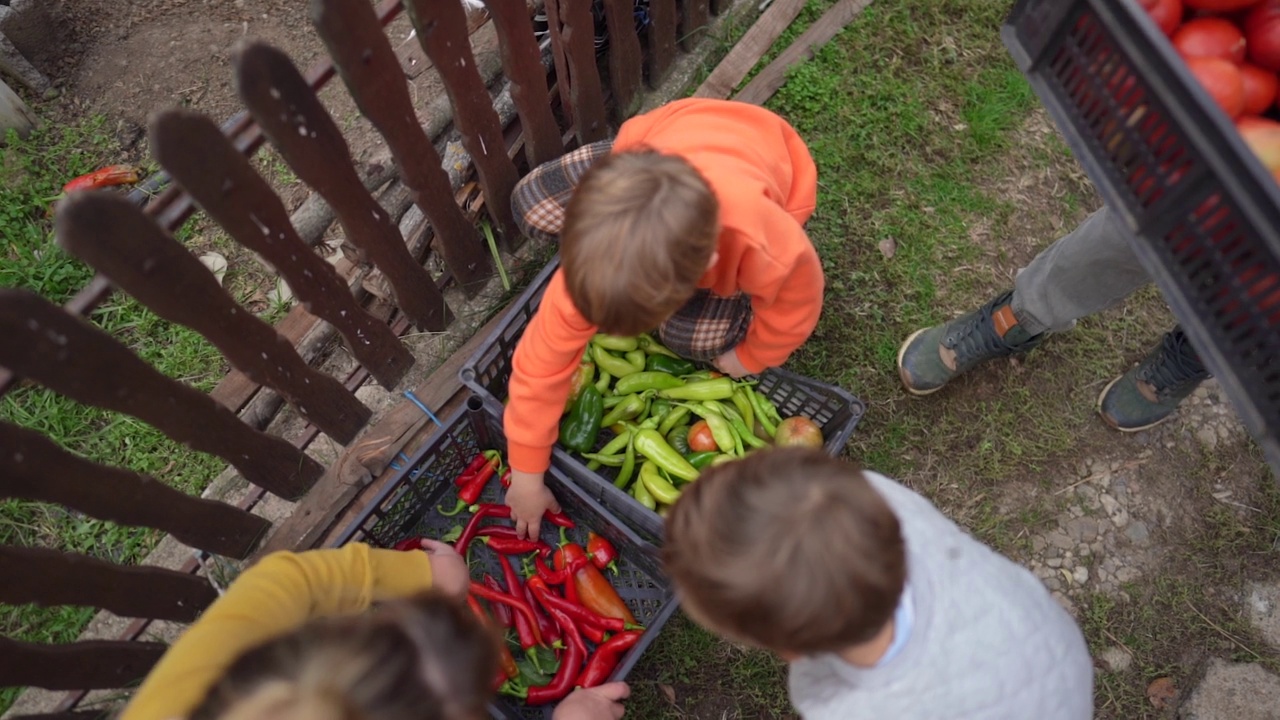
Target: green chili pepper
(761, 416)
(649, 424)
(636, 359)
(580, 427)
(661, 490)
(650, 345)
(745, 409)
(612, 364)
(673, 419)
(615, 342)
(619, 441)
(747, 436)
(613, 401)
(628, 466)
(628, 409)
(648, 380)
(700, 460)
(602, 383)
(652, 445)
(769, 408)
(718, 389)
(607, 460)
(660, 409)
(672, 365)
(722, 431)
(641, 494)
(678, 439)
(722, 459)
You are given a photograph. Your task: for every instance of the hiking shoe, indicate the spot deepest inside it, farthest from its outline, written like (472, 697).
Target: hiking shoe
(931, 357)
(1148, 394)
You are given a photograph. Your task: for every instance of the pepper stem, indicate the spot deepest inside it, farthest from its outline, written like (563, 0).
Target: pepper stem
(462, 505)
(514, 689)
(613, 566)
(564, 538)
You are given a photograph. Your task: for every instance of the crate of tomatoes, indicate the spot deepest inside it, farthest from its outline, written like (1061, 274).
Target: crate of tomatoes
(641, 421)
(1171, 107)
(576, 608)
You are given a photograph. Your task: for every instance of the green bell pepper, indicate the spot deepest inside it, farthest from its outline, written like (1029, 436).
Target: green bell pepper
(678, 439)
(580, 427)
(648, 380)
(673, 366)
(584, 376)
(653, 446)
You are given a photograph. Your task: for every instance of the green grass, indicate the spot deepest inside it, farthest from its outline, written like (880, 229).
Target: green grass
(32, 172)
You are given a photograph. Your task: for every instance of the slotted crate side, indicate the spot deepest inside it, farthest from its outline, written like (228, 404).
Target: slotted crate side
(1203, 212)
(407, 507)
(835, 411)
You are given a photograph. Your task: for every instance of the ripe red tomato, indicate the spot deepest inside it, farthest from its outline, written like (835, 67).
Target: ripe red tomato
(1166, 13)
(1262, 33)
(1210, 37)
(1223, 81)
(1259, 88)
(1248, 123)
(701, 439)
(1220, 5)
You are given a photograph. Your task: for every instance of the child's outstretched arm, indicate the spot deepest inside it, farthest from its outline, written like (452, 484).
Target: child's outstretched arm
(786, 289)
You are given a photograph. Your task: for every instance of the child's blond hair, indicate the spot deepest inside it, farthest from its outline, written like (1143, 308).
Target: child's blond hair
(787, 549)
(638, 234)
(424, 659)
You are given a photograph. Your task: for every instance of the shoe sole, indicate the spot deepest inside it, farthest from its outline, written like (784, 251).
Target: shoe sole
(1112, 424)
(902, 351)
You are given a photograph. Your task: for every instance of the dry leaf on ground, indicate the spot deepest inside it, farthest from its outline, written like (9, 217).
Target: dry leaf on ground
(1162, 692)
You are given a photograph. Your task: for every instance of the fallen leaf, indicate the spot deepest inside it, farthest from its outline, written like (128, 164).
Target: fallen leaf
(281, 294)
(669, 692)
(1162, 692)
(888, 248)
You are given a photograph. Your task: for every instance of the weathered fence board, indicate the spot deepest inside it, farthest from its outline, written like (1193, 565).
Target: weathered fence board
(48, 578)
(440, 25)
(695, 15)
(749, 49)
(663, 21)
(71, 715)
(522, 64)
(625, 68)
(559, 58)
(76, 359)
(226, 186)
(307, 138)
(33, 467)
(113, 236)
(579, 34)
(90, 665)
(369, 68)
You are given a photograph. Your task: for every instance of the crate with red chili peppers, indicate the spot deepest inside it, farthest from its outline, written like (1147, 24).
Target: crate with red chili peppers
(577, 607)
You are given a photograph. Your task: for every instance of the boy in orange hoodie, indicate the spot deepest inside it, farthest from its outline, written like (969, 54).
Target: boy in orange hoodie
(690, 222)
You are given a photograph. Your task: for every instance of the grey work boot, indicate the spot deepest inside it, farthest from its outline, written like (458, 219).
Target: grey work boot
(1148, 394)
(931, 357)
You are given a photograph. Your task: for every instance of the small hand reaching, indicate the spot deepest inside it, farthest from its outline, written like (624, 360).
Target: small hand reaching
(529, 498)
(730, 365)
(597, 703)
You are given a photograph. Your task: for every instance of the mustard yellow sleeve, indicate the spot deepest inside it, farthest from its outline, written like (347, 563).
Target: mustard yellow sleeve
(277, 595)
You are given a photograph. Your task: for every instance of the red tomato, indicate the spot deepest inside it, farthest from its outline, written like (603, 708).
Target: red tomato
(1264, 142)
(1259, 88)
(1222, 80)
(1262, 33)
(1166, 13)
(1253, 122)
(1220, 5)
(700, 438)
(1210, 37)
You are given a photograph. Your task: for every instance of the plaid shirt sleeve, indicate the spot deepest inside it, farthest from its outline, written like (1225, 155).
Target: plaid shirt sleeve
(540, 198)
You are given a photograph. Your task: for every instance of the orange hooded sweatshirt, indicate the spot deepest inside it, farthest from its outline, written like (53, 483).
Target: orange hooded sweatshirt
(766, 184)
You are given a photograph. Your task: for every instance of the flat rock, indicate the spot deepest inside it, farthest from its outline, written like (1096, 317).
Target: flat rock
(1238, 691)
(1264, 611)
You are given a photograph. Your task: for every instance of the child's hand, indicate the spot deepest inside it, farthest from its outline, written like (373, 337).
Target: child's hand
(730, 365)
(449, 573)
(594, 704)
(528, 498)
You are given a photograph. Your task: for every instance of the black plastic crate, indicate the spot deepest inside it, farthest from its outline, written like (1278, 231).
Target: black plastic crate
(835, 411)
(1203, 212)
(407, 507)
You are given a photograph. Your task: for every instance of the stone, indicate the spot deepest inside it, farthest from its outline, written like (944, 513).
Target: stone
(1137, 532)
(1119, 516)
(1240, 691)
(1058, 539)
(1080, 575)
(1127, 574)
(1037, 544)
(1054, 562)
(1207, 436)
(1116, 659)
(1264, 611)
(1082, 529)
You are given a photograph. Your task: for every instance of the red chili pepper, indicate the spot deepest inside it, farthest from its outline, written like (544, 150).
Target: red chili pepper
(549, 576)
(559, 519)
(486, 510)
(513, 545)
(509, 667)
(413, 543)
(517, 604)
(578, 613)
(606, 657)
(602, 552)
(550, 631)
(575, 654)
(104, 177)
(469, 472)
(501, 613)
(524, 630)
(471, 490)
(591, 587)
(506, 478)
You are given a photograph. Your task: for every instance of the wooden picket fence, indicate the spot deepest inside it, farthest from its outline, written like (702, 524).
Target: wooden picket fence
(133, 249)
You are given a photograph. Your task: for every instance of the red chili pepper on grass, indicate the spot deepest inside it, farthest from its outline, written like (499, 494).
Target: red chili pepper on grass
(602, 552)
(104, 177)
(606, 657)
(517, 604)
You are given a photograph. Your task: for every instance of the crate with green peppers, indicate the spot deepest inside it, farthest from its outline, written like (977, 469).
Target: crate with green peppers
(658, 420)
